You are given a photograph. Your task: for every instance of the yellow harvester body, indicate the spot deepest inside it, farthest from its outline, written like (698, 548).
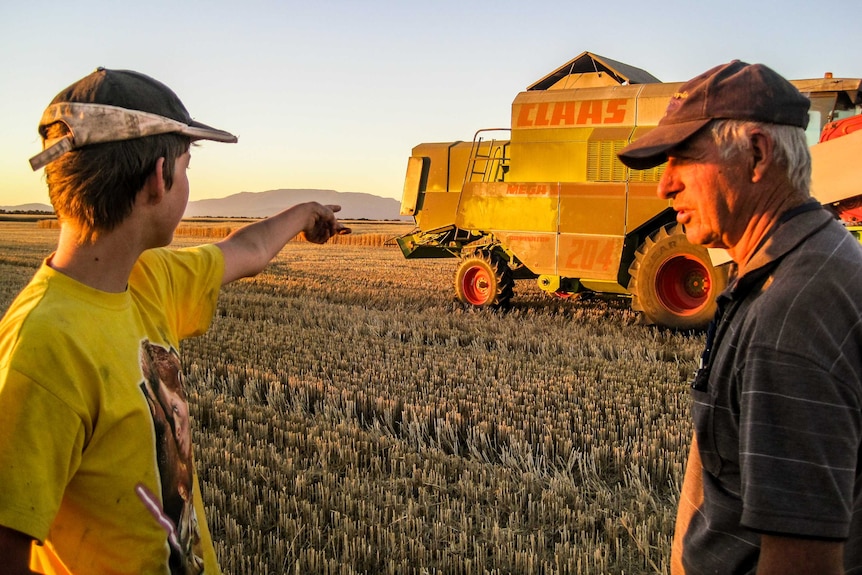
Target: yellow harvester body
(547, 198)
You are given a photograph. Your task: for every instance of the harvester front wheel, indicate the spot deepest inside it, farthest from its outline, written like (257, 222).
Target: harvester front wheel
(673, 282)
(484, 280)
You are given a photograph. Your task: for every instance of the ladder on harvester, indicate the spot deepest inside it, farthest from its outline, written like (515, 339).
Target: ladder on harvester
(489, 159)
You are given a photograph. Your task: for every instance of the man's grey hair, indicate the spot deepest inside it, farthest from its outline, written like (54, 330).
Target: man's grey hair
(790, 147)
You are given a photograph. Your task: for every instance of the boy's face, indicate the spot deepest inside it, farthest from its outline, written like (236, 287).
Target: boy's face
(181, 177)
(178, 194)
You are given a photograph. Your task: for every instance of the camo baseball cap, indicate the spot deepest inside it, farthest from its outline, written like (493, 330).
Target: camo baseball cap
(115, 105)
(733, 91)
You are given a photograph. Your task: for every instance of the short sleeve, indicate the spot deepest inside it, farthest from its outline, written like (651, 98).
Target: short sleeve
(800, 427)
(41, 439)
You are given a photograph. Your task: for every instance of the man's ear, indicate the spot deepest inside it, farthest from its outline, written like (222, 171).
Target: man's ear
(154, 187)
(762, 148)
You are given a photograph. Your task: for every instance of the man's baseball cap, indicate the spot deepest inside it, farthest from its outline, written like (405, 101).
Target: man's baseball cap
(115, 105)
(733, 91)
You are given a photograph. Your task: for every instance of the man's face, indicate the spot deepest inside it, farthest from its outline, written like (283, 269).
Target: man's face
(708, 192)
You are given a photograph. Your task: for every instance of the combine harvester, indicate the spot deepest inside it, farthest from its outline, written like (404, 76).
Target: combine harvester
(547, 199)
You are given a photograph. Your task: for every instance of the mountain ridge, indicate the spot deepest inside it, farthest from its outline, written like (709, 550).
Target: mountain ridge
(354, 205)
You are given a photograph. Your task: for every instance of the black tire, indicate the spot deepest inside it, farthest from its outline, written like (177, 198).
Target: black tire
(484, 280)
(673, 282)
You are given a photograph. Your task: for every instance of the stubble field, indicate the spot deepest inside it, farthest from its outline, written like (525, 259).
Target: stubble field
(351, 417)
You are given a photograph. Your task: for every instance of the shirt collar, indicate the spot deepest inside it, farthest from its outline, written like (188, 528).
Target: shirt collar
(792, 228)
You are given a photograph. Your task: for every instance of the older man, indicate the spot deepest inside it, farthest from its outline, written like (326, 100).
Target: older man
(774, 482)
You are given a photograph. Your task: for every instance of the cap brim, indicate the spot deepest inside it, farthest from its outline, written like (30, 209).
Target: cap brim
(651, 149)
(200, 131)
(99, 123)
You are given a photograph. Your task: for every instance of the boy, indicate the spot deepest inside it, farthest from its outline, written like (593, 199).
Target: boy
(95, 445)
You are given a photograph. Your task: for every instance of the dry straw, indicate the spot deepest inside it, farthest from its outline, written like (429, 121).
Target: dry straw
(351, 418)
(210, 231)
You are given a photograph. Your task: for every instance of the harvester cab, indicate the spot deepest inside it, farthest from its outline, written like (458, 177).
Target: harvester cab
(836, 178)
(547, 198)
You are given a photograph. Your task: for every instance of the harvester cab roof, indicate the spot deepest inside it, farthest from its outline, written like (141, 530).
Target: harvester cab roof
(588, 70)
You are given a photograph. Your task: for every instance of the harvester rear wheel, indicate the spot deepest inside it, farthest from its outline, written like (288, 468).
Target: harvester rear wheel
(484, 280)
(673, 281)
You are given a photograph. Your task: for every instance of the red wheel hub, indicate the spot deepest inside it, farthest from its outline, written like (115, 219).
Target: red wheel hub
(682, 285)
(477, 284)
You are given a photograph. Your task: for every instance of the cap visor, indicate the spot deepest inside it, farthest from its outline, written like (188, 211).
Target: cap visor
(651, 150)
(99, 123)
(200, 131)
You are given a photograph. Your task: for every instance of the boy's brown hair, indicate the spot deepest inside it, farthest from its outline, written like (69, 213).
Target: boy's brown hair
(102, 137)
(95, 187)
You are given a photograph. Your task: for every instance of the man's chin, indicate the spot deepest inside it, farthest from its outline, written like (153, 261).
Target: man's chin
(695, 236)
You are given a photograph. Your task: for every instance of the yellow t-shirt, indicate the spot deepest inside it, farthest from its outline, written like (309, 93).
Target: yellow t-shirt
(95, 446)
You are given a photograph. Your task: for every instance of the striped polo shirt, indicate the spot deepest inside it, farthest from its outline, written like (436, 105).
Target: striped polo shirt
(778, 411)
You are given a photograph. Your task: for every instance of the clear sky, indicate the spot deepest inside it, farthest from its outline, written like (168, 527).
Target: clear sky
(333, 94)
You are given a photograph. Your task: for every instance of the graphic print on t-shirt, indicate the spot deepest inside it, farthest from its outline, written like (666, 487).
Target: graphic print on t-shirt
(163, 389)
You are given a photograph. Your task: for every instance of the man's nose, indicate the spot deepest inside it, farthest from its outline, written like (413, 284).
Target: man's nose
(668, 185)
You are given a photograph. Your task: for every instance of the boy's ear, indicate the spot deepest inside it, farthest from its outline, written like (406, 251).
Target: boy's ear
(154, 187)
